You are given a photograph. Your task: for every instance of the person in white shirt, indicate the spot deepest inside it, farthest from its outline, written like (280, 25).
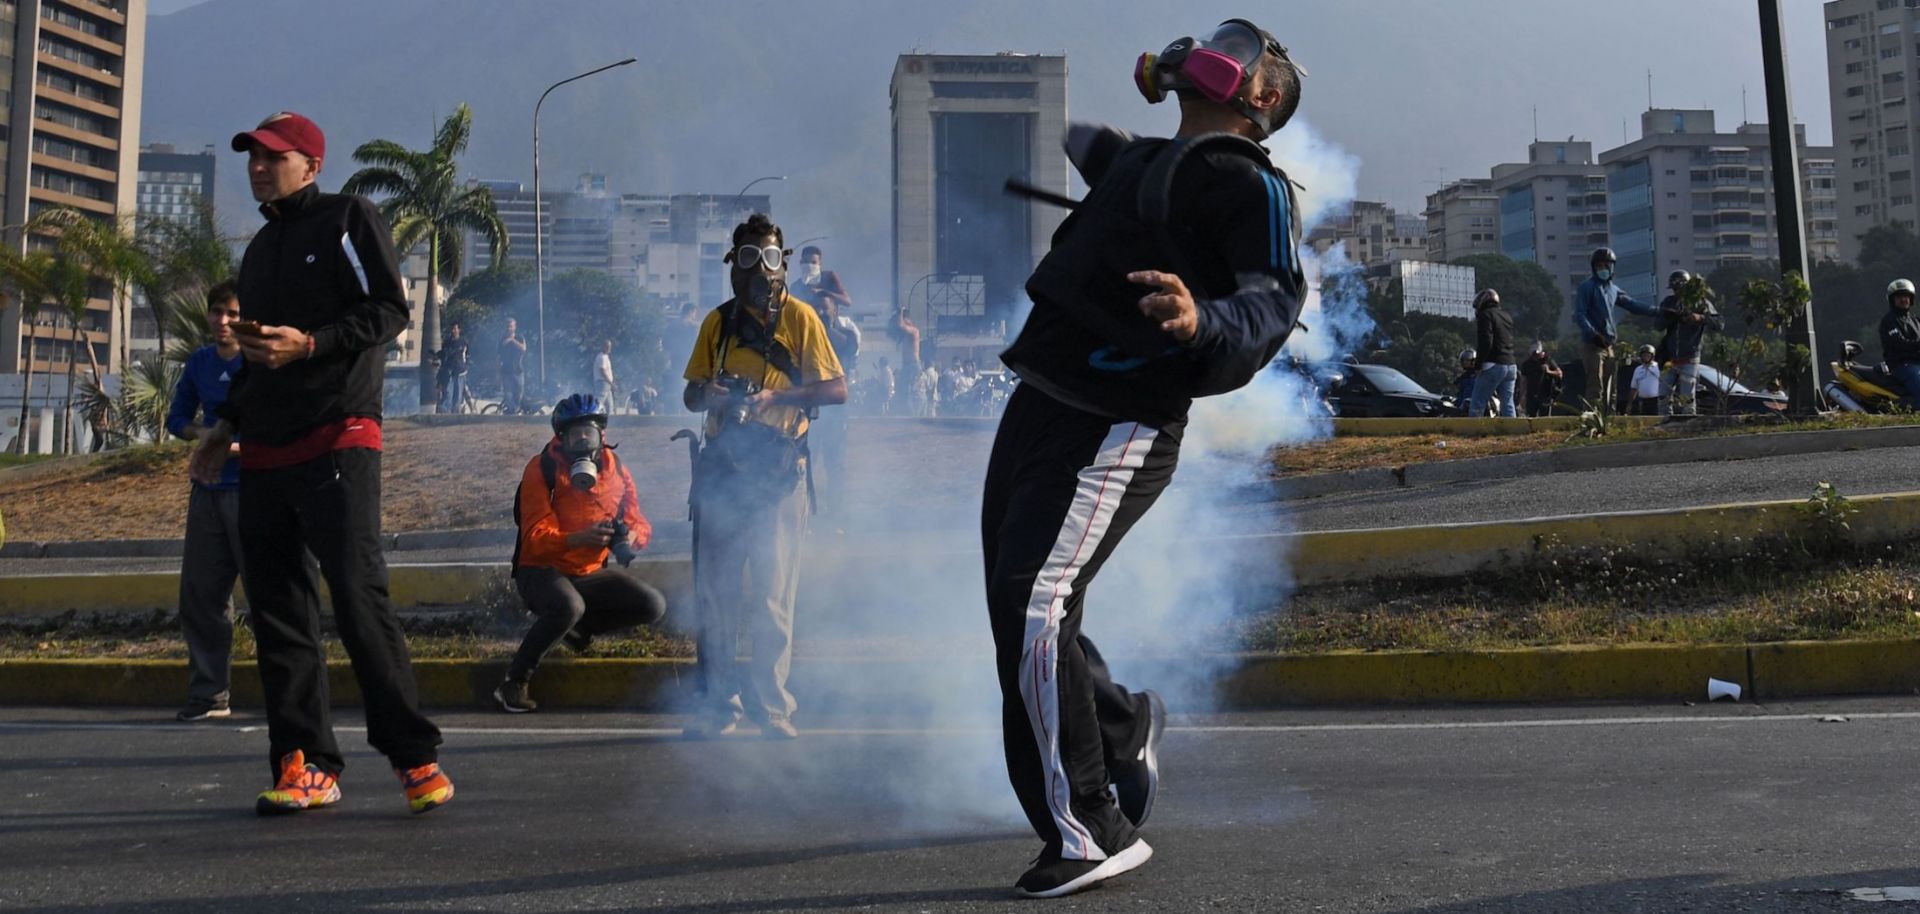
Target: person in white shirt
(603, 374)
(1646, 385)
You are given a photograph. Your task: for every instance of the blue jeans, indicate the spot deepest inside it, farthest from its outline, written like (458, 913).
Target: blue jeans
(1909, 375)
(456, 391)
(1493, 380)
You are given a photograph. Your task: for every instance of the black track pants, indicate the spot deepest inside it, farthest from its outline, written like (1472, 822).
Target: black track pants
(1063, 486)
(331, 506)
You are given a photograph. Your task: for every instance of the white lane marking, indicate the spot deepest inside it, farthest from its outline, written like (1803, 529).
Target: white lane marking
(968, 731)
(1889, 893)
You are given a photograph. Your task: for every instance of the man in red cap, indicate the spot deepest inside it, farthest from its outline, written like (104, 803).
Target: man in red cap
(321, 289)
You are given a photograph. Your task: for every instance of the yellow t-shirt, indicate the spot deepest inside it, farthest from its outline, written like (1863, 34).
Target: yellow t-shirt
(800, 330)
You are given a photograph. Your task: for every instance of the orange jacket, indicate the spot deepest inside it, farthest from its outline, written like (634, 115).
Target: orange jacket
(547, 518)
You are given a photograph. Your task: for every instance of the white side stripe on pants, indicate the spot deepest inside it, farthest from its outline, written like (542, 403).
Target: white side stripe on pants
(1102, 484)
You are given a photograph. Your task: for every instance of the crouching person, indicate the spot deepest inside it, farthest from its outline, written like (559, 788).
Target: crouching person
(577, 508)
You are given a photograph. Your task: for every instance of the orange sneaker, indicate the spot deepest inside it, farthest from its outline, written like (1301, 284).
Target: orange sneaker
(427, 787)
(301, 786)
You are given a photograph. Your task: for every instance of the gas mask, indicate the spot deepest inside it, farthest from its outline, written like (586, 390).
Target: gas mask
(582, 445)
(1217, 69)
(766, 292)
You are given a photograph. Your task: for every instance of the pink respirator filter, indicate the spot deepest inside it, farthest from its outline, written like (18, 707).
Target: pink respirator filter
(1217, 76)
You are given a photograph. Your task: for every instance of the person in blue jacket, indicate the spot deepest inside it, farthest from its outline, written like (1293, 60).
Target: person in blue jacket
(1593, 305)
(211, 562)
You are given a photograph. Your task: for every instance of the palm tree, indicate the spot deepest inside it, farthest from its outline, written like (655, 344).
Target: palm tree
(87, 252)
(425, 204)
(27, 276)
(185, 260)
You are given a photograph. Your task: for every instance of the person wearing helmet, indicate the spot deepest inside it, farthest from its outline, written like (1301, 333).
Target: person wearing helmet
(1645, 383)
(1177, 277)
(1593, 304)
(1495, 379)
(1685, 325)
(576, 508)
(1464, 382)
(762, 364)
(1900, 339)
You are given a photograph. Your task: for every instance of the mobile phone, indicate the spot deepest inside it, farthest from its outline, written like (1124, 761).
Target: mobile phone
(246, 328)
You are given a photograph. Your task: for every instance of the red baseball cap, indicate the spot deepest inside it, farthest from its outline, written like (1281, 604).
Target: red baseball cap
(284, 132)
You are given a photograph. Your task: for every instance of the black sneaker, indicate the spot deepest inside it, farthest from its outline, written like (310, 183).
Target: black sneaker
(512, 697)
(577, 641)
(1135, 783)
(1053, 876)
(203, 710)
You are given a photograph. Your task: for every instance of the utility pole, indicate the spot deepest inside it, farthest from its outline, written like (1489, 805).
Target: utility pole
(1804, 385)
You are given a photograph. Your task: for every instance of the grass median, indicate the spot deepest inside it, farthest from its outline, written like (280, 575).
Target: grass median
(1357, 453)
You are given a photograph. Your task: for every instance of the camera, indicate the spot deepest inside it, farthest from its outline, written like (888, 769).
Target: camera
(623, 551)
(736, 411)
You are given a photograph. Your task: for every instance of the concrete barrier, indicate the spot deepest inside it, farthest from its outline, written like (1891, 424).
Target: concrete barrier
(1252, 682)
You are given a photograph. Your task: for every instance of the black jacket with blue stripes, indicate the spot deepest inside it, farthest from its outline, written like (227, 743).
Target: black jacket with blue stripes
(1230, 233)
(324, 263)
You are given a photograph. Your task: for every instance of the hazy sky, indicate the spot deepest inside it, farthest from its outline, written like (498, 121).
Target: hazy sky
(1422, 91)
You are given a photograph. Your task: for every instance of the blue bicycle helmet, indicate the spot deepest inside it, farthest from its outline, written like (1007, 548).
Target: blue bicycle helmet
(575, 408)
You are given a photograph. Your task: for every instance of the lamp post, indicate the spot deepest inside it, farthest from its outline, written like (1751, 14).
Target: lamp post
(750, 184)
(539, 232)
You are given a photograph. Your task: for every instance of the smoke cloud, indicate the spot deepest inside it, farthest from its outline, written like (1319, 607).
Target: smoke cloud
(1162, 610)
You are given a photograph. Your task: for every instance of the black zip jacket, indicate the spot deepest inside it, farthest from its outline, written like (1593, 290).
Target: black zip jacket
(323, 263)
(1494, 335)
(1899, 337)
(1235, 226)
(1682, 340)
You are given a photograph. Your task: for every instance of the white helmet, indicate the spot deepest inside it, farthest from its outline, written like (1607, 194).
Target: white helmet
(1898, 286)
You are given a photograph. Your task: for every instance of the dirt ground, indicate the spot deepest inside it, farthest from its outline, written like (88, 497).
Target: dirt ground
(451, 474)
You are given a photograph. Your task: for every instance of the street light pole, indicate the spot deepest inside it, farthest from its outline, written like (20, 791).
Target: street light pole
(743, 191)
(1804, 384)
(539, 231)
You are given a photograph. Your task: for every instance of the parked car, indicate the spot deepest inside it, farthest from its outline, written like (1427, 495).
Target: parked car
(1360, 391)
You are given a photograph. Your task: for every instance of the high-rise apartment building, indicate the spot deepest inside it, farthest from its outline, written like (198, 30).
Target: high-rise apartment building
(1553, 208)
(963, 125)
(1374, 236)
(1873, 80)
(1462, 218)
(1687, 197)
(174, 187)
(70, 79)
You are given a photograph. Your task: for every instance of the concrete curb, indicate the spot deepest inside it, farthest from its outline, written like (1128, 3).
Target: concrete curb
(1255, 682)
(1304, 559)
(1598, 457)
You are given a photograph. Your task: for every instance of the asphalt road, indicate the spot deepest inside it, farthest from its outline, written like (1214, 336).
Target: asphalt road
(1654, 809)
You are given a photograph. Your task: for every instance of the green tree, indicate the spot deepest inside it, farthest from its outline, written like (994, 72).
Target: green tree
(587, 307)
(29, 278)
(1527, 291)
(425, 204)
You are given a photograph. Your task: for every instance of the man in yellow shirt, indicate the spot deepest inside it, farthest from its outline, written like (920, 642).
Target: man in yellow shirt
(761, 363)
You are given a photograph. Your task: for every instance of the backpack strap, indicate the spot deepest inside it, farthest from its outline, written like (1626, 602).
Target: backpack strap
(549, 471)
(750, 335)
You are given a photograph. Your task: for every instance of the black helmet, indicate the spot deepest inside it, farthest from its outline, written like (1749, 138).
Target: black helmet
(1604, 255)
(1678, 278)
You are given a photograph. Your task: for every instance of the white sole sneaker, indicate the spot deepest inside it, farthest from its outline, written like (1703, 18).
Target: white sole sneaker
(1136, 853)
(500, 700)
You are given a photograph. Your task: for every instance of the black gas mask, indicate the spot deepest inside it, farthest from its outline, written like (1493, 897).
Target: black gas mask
(760, 276)
(582, 443)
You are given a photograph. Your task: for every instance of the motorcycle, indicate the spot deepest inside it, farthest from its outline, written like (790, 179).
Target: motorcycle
(1858, 388)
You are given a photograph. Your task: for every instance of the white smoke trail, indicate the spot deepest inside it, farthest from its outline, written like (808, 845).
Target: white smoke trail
(1157, 609)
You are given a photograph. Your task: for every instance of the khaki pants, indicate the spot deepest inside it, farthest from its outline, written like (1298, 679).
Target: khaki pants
(746, 570)
(1600, 371)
